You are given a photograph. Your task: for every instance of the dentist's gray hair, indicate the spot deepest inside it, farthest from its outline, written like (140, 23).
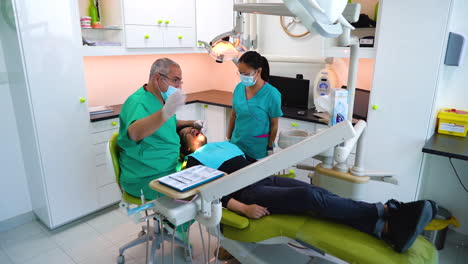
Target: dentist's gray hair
(161, 66)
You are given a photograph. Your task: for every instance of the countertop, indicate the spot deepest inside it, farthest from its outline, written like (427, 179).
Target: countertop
(448, 146)
(218, 98)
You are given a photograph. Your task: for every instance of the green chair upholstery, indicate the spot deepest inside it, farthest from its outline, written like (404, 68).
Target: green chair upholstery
(115, 153)
(335, 239)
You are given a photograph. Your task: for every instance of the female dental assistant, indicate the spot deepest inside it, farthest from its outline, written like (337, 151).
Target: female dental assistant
(256, 108)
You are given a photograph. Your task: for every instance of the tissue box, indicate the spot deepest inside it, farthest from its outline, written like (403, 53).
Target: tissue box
(340, 106)
(453, 122)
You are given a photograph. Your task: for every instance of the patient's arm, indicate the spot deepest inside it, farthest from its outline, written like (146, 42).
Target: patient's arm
(250, 210)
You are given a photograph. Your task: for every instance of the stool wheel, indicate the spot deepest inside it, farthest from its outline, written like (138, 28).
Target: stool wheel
(120, 259)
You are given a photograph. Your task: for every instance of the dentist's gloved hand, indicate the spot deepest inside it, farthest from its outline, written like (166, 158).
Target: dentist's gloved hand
(201, 125)
(173, 103)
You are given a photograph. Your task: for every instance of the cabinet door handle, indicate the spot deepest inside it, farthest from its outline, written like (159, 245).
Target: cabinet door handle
(147, 36)
(180, 37)
(82, 100)
(114, 123)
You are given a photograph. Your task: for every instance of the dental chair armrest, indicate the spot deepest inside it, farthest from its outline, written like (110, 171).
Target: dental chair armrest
(234, 220)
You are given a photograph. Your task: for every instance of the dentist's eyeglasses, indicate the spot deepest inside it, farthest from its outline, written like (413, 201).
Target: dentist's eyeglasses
(176, 81)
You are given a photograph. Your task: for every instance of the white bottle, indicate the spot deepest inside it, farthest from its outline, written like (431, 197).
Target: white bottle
(324, 82)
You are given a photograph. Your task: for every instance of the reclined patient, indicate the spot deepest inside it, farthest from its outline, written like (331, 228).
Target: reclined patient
(397, 223)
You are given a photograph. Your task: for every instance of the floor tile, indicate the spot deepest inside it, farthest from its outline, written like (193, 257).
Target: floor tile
(123, 234)
(27, 248)
(24, 231)
(108, 222)
(55, 256)
(108, 256)
(88, 249)
(75, 235)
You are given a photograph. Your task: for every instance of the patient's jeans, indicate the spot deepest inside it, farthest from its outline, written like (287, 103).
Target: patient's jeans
(288, 196)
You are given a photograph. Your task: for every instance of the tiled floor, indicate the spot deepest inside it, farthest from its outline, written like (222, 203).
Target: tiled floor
(97, 239)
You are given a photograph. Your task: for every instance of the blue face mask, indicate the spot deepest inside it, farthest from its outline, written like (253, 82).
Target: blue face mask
(170, 90)
(247, 80)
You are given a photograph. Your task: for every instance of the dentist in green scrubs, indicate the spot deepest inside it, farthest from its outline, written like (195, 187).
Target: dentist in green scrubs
(256, 108)
(147, 138)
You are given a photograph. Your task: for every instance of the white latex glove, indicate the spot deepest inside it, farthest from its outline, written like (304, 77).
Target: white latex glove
(173, 103)
(201, 125)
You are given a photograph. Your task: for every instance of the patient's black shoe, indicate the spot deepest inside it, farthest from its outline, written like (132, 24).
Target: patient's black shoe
(406, 221)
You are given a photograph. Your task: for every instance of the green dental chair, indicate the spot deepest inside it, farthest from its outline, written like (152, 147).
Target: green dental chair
(320, 235)
(154, 232)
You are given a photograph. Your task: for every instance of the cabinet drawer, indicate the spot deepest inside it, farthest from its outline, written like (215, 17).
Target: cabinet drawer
(99, 148)
(144, 36)
(104, 125)
(103, 175)
(108, 194)
(177, 37)
(100, 159)
(103, 136)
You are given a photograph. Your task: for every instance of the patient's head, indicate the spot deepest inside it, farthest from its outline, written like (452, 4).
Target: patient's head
(190, 140)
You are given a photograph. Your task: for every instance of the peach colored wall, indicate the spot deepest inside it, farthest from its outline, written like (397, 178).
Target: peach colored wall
(365, 72)
(111, 79)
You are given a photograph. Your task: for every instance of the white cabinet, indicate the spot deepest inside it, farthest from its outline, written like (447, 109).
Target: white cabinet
(105, 184)
(395, 136)
(45, 58)
(144, 36)
(189, 112)
(215, 117)
(211, 23)
(159, 24)
(174, 13)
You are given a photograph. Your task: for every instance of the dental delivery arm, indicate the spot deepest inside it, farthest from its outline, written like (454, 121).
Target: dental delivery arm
(268, 166)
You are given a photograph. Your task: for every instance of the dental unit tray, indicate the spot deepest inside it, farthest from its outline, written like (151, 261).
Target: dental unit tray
(190, 178)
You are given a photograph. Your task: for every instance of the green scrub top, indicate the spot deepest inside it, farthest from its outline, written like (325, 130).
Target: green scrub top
(154, 156)
(252, 125)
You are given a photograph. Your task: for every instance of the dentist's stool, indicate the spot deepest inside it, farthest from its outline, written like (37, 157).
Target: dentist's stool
(154, 232)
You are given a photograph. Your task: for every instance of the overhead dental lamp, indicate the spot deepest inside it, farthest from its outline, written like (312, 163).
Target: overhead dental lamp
(324, 17)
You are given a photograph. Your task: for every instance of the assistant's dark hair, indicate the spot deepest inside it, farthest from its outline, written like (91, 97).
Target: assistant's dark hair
(255, 61)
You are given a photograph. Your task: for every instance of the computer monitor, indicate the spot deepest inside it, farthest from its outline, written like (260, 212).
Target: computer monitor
(294, 92)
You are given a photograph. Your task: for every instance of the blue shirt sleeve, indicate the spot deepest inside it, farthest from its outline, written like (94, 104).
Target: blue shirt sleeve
(274, 110)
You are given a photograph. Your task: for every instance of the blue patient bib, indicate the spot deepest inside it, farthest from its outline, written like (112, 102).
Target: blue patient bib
(214, 154)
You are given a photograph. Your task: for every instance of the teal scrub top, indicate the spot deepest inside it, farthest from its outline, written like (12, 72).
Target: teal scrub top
(154, 156)
(214, 154)
(252, 124)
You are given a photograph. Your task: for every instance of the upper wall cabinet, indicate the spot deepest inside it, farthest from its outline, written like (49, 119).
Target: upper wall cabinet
(214, 18)
(174, 13)
(159, 24)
